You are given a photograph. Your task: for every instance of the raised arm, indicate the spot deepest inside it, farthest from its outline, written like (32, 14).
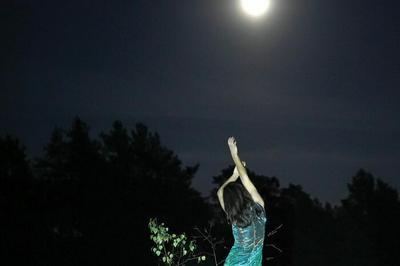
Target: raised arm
(243, 173)
(220, 191)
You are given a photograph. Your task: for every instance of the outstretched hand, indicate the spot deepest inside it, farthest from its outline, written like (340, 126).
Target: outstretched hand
(232, 145)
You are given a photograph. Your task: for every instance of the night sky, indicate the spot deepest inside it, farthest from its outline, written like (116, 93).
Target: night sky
(310, 90)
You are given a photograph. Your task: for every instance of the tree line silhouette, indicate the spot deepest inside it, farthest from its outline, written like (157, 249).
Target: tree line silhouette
(88, 202)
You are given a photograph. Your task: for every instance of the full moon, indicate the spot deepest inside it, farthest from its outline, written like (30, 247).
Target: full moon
(255, 8)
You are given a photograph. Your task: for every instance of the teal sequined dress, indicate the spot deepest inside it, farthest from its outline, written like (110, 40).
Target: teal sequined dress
(248, 246)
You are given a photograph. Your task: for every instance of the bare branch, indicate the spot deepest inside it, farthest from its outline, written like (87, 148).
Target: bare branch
(274, 231)
(272, 245)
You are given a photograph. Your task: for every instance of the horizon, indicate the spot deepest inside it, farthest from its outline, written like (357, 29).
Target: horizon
(34, 150)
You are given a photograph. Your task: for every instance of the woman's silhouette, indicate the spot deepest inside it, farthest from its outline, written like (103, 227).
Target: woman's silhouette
(245, 211)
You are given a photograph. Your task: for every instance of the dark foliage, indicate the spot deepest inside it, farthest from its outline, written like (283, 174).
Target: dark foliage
(87, 202)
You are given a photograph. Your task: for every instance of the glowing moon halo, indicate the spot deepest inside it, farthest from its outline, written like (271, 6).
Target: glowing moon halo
(255, 8)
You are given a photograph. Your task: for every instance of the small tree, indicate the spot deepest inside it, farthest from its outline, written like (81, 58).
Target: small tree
(171, 248)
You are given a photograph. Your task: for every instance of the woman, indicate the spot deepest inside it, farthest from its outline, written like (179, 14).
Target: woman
(245, 211)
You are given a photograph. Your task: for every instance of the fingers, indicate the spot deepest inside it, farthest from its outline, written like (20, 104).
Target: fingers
(231, 141)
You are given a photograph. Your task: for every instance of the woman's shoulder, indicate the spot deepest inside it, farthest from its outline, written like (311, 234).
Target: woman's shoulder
(258, 207)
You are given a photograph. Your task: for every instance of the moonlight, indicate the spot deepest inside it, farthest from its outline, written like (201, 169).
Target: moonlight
(255, 8)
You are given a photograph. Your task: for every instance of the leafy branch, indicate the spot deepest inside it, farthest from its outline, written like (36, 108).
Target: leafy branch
(172, 249)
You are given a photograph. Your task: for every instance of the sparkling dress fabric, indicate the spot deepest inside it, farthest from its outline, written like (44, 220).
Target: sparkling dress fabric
(248, 246)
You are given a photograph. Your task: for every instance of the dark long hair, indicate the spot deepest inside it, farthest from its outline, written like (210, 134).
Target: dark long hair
(239, 206)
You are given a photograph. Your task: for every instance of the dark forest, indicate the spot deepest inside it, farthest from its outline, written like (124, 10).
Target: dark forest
(88, 201)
